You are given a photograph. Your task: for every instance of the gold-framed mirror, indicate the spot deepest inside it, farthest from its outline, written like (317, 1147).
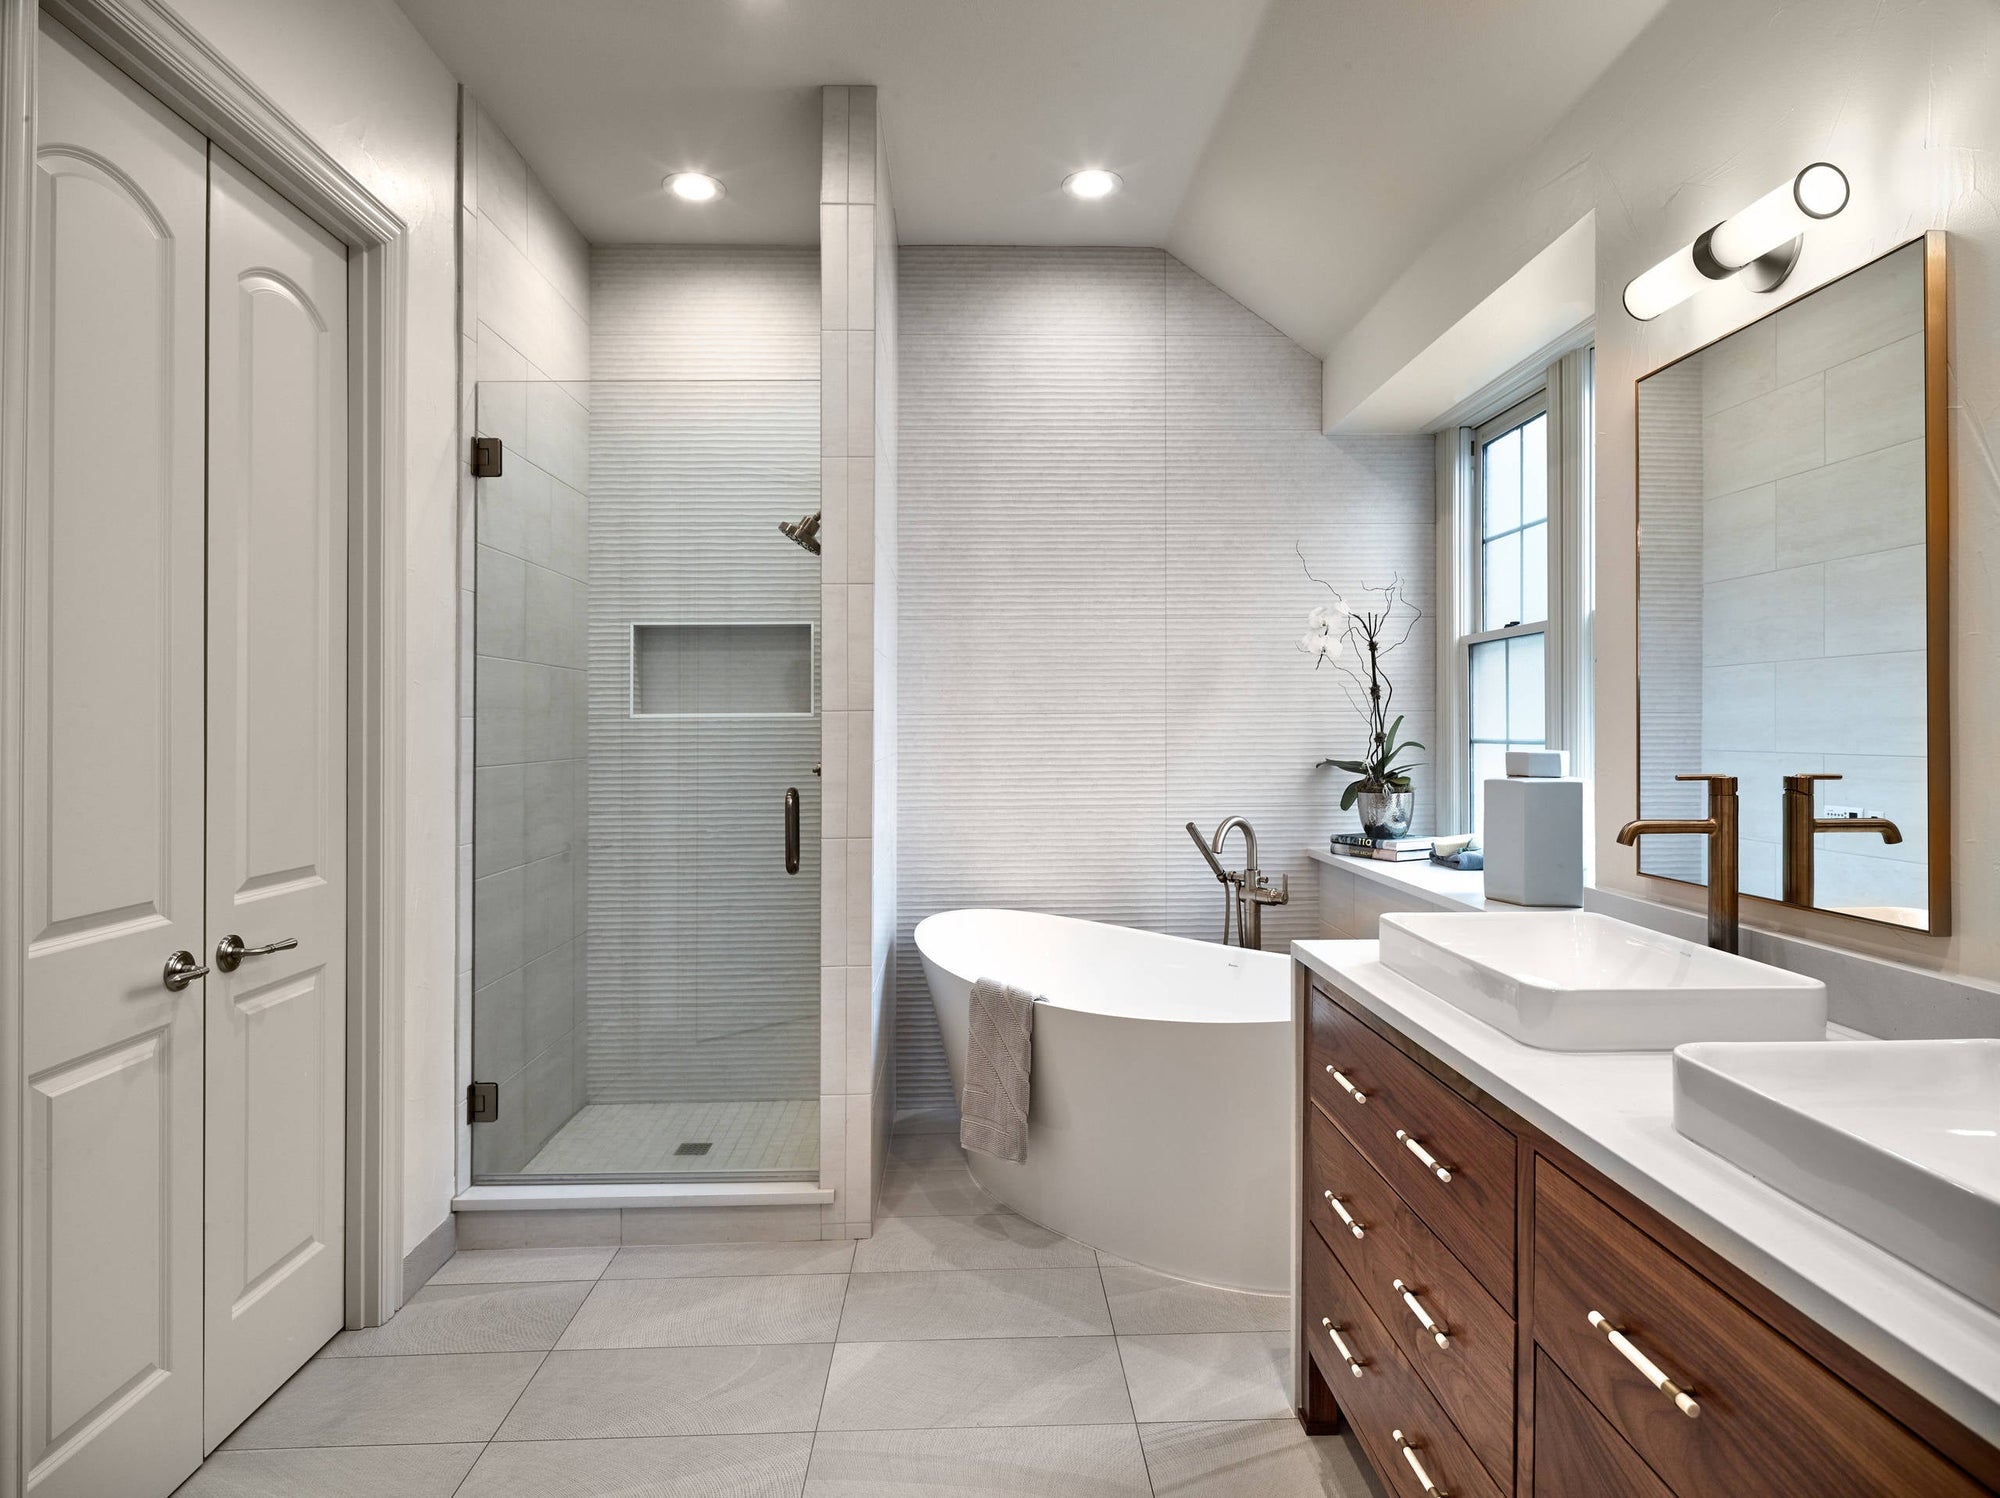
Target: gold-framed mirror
(1794, 531)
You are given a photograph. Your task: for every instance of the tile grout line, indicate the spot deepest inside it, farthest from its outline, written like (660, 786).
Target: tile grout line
(500, 1424)
(812, 1444)
(1145, 1465)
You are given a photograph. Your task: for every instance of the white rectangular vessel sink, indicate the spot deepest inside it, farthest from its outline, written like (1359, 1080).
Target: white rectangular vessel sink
(1898, 1140)
(1572, 980)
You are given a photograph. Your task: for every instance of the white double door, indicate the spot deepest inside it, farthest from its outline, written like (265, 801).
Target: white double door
(186, 768)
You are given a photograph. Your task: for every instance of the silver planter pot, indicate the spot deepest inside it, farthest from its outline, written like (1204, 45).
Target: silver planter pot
(1386, 813)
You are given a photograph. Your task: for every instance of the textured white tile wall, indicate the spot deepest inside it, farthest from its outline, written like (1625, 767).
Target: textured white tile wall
(1807, 529)
(525, 312)
(1106, 467)
(704, 969)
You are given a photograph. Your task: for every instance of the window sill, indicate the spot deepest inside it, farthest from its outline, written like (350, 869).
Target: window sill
(1448, 889)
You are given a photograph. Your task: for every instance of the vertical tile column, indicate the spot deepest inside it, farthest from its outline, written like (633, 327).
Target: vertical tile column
(857, 620)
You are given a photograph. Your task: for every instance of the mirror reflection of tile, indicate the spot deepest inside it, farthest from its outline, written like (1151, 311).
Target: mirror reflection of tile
(1782, 582)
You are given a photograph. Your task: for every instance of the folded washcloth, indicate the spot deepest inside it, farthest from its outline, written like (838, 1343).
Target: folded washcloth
(999, 1052)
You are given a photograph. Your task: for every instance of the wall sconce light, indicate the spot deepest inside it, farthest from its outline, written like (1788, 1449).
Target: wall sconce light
(1760, 244)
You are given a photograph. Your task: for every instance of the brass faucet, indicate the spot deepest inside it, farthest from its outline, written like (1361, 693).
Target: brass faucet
(1802, 821)
(1719, 827)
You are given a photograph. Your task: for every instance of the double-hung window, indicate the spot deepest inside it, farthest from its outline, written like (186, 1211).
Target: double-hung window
(1514, 555)
(1506, 654)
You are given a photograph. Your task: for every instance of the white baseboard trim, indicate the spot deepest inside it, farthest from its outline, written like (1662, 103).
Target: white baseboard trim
(429, 1256)
(571, 1198)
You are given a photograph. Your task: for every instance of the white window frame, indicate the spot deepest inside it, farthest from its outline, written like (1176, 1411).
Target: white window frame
(1561, 389)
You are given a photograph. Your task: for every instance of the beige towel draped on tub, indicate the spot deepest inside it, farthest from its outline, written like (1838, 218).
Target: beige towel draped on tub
(999, 1052)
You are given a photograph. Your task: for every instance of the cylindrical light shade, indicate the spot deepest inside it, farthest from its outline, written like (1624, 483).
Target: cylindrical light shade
(1666, 285)
(1781, 215)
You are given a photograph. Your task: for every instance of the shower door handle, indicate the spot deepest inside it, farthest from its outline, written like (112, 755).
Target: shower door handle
(792, 830)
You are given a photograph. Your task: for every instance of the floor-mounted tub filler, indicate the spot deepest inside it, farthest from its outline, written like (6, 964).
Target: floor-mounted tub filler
(1159, 1127)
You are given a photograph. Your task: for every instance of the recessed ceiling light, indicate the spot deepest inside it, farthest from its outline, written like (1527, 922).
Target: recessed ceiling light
(694, 187)
(1092, 183)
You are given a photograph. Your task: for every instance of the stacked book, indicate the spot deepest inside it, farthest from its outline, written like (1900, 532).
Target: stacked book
(1388, 849)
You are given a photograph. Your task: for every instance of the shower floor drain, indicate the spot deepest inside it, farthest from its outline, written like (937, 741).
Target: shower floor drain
(695, 1148)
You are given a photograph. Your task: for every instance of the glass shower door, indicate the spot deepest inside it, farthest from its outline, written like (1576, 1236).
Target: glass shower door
(646, 807)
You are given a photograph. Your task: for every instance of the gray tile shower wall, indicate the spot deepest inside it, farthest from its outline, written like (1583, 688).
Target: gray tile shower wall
(525, 315)
(1106, 466)
(704, 970)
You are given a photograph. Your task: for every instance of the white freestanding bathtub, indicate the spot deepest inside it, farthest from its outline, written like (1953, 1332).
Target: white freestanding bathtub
(1161, 1111)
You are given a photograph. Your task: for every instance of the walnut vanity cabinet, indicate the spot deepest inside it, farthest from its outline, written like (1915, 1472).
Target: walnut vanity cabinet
(1494, 1316)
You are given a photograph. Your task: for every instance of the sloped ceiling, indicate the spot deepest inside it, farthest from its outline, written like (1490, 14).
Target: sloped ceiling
(1296, 152)
(1358, 131)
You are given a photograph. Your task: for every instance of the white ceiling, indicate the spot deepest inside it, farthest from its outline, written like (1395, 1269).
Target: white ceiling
(988, 104)
(1294, 158)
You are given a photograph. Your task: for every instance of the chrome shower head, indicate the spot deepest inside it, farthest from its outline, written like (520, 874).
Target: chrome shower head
(805, 531)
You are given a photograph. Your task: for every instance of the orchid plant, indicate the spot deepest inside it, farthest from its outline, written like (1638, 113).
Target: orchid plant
(1353, 640)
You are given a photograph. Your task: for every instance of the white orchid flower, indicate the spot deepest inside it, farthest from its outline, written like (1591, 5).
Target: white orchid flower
(1320, 646)
(1321, 621)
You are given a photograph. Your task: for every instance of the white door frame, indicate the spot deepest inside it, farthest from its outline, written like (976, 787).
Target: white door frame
(185, 73)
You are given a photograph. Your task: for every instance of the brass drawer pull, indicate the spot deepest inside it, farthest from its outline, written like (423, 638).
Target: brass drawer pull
(1405, 1445)
(1442, 1172)
(1347, 1217)
(1354, 1364)
(1347, 1087)
(1437, 1329)
(1647, 1366)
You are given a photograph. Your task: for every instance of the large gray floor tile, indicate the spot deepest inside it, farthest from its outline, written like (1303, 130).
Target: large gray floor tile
(708, 1312)
(496, 1266)
(670, 1467)
(333, 1472)
(390, 1401)
(943, 1190)
(1071, 1461)
(672, 1391)
(1144, 1301)
(469, 1318)
(1253, 1459)
(925, 1305)
(996, 1241)
(1210, 1376)
(709, 1260)
(989, 1381)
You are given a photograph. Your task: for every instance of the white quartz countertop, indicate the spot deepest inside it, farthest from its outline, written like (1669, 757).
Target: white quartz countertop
(1447, 888)
(1615, 1110)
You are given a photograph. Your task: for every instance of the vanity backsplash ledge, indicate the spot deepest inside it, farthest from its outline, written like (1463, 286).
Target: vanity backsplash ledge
(1886, 999)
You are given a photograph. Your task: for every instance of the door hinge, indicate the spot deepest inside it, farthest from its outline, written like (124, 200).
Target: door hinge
(486, 457)
(482, 1102)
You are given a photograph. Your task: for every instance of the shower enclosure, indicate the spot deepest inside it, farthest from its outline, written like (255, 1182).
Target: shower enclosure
(646, 797)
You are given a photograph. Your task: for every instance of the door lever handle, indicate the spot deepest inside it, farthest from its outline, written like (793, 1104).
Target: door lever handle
(230, 951)
(181, 970)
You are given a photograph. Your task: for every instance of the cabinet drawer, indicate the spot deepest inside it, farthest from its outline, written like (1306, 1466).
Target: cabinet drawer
(1472, 1373)
(1577, 1453)
(1771, 1420)
(1466, 1195)
(1372, 1241)
(1387, 1399)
